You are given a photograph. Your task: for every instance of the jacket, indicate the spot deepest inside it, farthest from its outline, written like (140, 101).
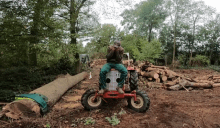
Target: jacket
(114, 55)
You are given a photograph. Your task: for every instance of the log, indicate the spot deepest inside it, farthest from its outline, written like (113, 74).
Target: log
(216, 85)
(141, 65)
(138, 70)
(155, 85)
(53, 91)
(172, 83)
(161, 67)
(216, 77)
(157, 80)
(150, 79)
(175, 87)
(216, 80)
(163, 78)
(151, 74)
(170, 73)
(198, 85)
(152, 69)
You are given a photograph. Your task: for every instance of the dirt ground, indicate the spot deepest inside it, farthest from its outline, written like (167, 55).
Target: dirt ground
(168, 109)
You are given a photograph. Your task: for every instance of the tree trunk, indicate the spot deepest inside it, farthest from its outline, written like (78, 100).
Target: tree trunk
(151, 74)
(34, 39)
(174, 44)
(74, 13)
(53, 91)
(150, 31)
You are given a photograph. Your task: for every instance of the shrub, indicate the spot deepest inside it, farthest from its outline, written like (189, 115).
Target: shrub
(200, 60)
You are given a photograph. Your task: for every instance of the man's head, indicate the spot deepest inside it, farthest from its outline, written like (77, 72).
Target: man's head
(117, 44)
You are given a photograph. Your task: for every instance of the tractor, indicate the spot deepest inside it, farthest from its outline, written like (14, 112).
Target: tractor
(137, 100)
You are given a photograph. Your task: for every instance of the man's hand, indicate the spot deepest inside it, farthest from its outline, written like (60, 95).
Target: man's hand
(111, 48)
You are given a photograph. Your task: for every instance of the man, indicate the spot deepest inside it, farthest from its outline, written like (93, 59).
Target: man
(114, 60)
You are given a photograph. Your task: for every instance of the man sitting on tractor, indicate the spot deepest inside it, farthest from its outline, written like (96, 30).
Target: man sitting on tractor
(114, 60)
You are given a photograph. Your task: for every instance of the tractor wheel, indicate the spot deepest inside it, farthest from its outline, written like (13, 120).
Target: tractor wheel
(142, 103)
(89, 102)
(133, 80)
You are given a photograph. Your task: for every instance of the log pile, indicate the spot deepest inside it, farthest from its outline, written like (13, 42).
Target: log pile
(162, 77)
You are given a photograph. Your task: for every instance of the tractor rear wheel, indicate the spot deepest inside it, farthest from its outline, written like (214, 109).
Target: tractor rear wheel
(142, 102)
(133, 80)
(89, 101)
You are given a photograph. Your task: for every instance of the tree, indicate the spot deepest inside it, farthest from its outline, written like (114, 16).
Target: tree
(146, 16)
(197, 11)
(176, 10)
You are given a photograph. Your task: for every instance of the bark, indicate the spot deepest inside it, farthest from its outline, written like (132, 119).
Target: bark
(216, 81)
(214, 78)
(216, 85)
(157, 80)
(171, 83)
(53, 91)
(174, 44)
(34, 40)
(151, 74)
(74, 13)
(161, 67)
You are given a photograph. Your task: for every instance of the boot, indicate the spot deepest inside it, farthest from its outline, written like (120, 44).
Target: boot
(120, 90)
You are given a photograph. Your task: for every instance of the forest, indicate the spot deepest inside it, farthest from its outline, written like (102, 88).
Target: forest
(41, 39)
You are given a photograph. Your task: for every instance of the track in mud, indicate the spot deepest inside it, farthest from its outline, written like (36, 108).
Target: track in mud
(168, 109)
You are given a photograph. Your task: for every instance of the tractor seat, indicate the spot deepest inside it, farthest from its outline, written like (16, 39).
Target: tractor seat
(113, 69)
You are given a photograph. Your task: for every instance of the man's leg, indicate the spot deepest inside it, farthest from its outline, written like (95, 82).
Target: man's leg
(102, 76)
(122, 69)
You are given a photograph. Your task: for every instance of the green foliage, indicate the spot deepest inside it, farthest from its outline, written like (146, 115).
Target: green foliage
(113, 120)
(141, 49)
(183, 59)
(200, 60)
(47, 125)
(89, 121)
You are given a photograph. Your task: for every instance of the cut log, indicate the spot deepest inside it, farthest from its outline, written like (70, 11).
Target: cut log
(151, 74)
(216, 85)
(198, 85)
(172, 83)
(163, 78)
(150, 79)
(216, 77)
(53, 91)
(157, 80)
(161, 67)
(141, 65)
(175, 87)
(138, 70)
(216, 80)
(155, 85)
(170, 74)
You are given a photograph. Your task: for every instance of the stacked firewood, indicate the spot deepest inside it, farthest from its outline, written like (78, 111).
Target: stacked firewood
(161, 77)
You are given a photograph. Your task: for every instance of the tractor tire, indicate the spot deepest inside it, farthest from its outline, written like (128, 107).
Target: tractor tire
(142, 104)
(133, 80)
(88, 102)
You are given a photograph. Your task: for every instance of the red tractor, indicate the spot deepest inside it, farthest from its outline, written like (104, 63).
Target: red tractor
(137, 100)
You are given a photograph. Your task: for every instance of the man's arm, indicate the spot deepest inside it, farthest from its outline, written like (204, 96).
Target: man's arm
(110, 52)
(119, 53)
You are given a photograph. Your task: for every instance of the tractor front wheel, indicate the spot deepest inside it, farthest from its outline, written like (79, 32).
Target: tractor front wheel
(89, 101)
(142, 102)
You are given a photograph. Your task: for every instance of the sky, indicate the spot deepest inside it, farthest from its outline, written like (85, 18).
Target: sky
(116, 21)
(109, 11)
